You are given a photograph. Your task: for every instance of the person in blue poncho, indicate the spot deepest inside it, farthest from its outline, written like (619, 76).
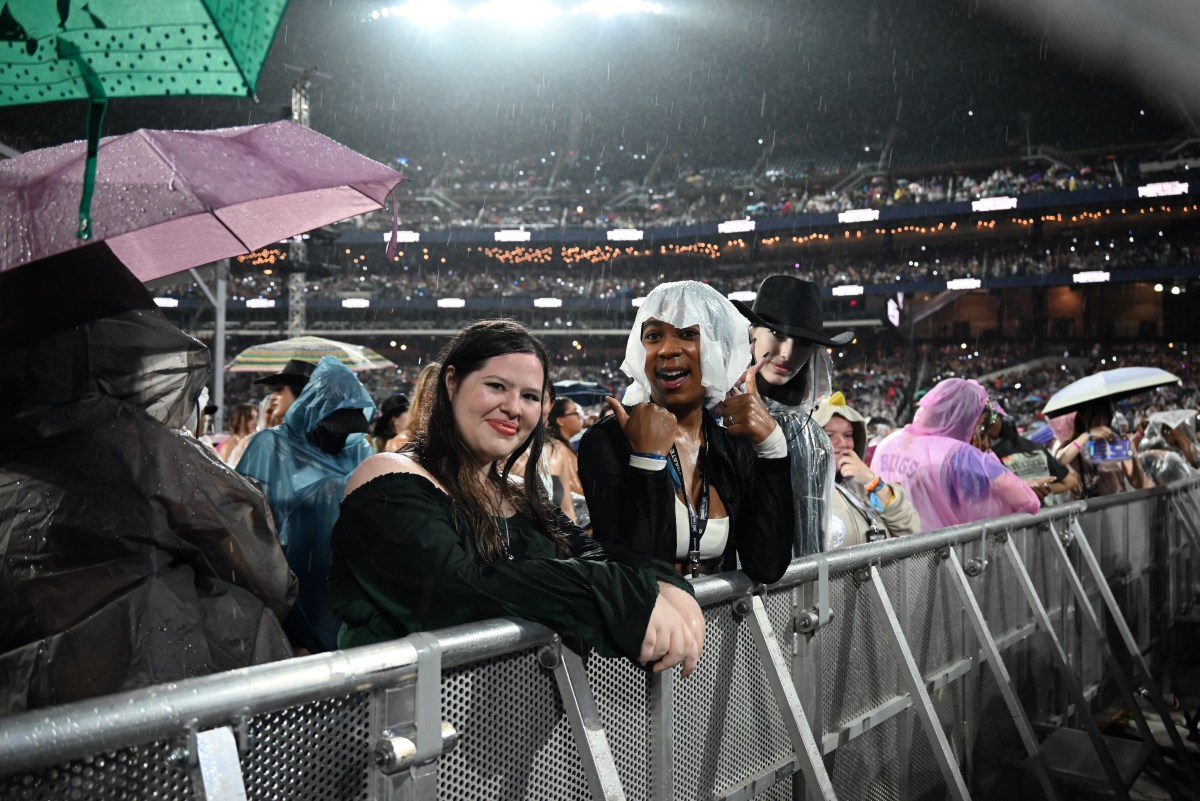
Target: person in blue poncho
(302, 466)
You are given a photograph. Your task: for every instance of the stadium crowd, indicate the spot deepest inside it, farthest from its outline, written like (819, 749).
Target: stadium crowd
(475, 275)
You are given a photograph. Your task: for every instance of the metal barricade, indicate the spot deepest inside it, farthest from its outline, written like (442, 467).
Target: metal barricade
(911, 669)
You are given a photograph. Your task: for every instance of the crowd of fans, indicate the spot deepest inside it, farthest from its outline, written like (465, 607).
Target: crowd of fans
(654, 188)
(473, 275)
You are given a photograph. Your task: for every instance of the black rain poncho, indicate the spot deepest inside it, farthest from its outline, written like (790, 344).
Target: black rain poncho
(129, 554)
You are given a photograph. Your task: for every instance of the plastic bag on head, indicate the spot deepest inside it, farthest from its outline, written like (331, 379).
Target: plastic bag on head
(724, 337)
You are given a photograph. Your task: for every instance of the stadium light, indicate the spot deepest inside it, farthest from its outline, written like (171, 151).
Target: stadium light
(260, 303)
(1090, 277)
(422, 12)
(608, 8)
(625, 235)
(512, 236)
(451, 303)
(547, 303)
(355, 303)
(994, 204)
(964, 283)
(744, 295)
(402, 236)
(167, 303)
(1163, 189)
(520, 11)
(858, 215)
(847, 291)
(735, 226)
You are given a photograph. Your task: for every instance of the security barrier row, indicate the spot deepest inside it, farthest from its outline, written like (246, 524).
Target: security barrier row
(966, 663)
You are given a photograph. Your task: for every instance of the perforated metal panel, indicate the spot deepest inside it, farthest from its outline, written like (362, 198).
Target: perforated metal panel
(859, 670)
(996, 744)
(727, 725)
(619, 687)
(935, 614)
(867, 768)
(314, 752)
(925, 777)
(514, 742)
(136, 772)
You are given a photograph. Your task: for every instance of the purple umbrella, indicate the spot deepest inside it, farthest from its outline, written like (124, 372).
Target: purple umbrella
(169, 200)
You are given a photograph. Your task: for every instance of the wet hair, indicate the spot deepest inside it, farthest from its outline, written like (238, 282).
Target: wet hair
(422, 398)
(392, 408)
(1100, 406)
(243, 419)
(556, 412)
(441, 450)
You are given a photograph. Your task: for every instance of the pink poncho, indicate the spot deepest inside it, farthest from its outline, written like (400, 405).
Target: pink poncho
(950, 481)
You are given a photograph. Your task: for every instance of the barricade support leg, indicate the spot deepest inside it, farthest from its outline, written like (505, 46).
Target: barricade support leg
(1074, 689)
(991, 653)
(579, 706)
(816, 778)
(955, 785)
(1088, 558)
(661, 695)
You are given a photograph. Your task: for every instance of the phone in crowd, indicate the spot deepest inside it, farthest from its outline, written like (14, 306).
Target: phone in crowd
(1101, 450)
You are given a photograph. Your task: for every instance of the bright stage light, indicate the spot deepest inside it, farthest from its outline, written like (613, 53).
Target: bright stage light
(744, 295)
(964, 283)
(260, 303)
(166, 303)
(451, 303)
(847, 291)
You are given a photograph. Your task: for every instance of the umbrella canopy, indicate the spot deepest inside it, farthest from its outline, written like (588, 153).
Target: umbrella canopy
(585, 393)
(130, 48)
(1112, 384)
(166, 201)
(270, 357)
(97, 49)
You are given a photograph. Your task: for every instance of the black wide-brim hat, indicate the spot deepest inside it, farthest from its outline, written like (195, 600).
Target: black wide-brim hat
(294, 374)
(791, 306)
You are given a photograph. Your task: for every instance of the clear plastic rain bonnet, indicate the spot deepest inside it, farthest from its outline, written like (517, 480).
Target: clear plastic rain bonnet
(724, 338)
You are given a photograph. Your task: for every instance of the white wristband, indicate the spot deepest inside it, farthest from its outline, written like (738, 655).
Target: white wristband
(774, 446)
(644, 463)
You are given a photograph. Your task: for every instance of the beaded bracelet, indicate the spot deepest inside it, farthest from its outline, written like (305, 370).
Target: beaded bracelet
(874, 486)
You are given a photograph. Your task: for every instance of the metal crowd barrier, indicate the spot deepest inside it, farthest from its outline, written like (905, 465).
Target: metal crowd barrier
(947, 665)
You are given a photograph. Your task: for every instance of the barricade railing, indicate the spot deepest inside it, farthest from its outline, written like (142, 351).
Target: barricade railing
(940, 665)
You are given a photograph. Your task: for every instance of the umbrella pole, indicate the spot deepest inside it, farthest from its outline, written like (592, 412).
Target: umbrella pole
(219, 345)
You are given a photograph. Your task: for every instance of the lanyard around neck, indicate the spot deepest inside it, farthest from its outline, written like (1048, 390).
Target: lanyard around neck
(698, 515)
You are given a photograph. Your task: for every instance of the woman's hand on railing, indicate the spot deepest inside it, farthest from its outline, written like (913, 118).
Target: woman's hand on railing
(669, 638)
(692, 616)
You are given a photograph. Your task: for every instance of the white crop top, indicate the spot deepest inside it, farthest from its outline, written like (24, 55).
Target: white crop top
(712, 544)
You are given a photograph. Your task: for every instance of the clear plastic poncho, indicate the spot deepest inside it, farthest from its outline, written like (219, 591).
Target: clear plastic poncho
(724, 338)
(948, 480)
(1162, 458)
(305, 485)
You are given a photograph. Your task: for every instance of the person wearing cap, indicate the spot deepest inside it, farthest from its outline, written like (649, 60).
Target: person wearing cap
(286, 386)
(302, 466)
(788, 340)
(865, 507)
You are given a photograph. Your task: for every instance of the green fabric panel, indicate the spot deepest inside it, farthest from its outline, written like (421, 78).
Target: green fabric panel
(136, 48)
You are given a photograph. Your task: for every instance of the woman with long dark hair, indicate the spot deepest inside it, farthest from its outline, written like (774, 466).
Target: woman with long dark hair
(438, 535)
(563, 422)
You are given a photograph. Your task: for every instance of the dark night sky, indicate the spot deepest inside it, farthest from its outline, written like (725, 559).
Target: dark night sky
(705, 80)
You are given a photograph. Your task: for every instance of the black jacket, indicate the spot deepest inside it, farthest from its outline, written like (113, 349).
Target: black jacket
(636, 507)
